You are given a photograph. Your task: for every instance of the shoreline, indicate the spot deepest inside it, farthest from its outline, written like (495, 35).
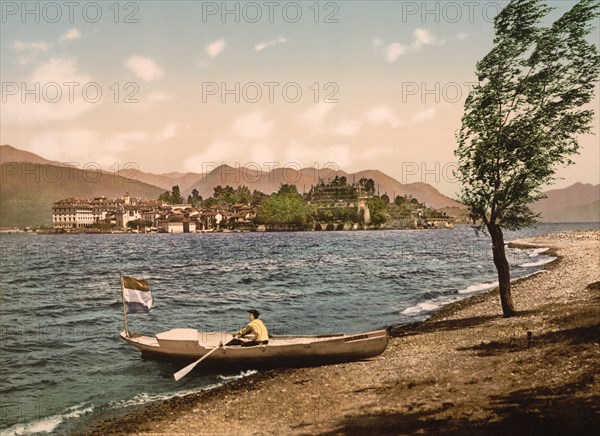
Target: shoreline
(465, 367)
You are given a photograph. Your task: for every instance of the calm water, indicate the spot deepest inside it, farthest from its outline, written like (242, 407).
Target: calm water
(63, 364)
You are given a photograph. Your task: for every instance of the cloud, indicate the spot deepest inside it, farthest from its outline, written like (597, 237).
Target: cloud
(86, 146)
(262, 45)
(55, 101)
(314, 117)
(423, 37)
(339, 156)
(246, 141)
(71, 35)
(27, 52)
(215, 48)
(226, 150)
(381, 115)
(462, 36)
(394, 50)
(145, 68)
(159, 97)
(252, 126)
(424, 115)
(347, 128)
(168, 132)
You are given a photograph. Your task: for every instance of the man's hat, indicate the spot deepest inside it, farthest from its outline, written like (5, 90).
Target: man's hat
(254, 312)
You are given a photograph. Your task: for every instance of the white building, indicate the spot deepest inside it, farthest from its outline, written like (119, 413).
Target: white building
(72, 213)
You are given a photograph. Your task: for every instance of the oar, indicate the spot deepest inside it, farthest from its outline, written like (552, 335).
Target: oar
(183, 372)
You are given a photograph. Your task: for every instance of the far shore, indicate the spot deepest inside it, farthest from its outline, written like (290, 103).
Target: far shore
(466, 370)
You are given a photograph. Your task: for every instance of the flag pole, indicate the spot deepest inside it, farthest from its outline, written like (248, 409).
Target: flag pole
(124, 307)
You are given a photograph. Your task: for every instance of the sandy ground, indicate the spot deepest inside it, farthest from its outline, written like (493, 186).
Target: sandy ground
(467, 370)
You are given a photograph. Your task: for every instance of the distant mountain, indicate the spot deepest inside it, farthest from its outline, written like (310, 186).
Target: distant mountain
(12, 154)
(576, 203)
(28, 191)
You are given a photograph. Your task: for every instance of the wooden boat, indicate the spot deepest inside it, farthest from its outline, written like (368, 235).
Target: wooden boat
(186, 344)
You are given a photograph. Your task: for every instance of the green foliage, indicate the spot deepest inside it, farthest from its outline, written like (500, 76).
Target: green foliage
(288, 189)
(336, 193)
(286, 209)
(258, 197)
(176, 195)
(239, 195)
(166, 197)
(378, 210)
(195, 199)
(526, 115)
(136, 224)
(368, 185)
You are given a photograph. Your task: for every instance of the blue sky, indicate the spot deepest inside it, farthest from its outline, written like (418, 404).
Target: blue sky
(382, 84)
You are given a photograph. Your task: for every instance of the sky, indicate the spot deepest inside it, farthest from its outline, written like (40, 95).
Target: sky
(184, 86)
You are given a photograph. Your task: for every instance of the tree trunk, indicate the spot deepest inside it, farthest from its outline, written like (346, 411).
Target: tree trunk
(501, 263)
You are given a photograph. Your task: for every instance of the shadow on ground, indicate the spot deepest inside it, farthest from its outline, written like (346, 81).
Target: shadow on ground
(518, 414)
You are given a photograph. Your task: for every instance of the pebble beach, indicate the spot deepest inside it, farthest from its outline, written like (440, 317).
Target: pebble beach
(466, 370)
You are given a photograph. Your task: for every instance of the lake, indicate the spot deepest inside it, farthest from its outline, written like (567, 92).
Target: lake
(63, 364)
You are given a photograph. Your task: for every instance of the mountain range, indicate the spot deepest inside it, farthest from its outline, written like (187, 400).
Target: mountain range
(31, 184)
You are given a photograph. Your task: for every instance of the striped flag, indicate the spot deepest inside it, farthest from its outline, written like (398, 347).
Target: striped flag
(136, 295)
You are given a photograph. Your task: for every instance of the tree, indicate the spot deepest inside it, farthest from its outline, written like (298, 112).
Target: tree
(243, 195)
(286, 209)
(165, 196)
(378, 210)
(258, 197)
(368, 185)
(195, 198)
(399, 200)
(136, 224)
(523, 119)
(288, 189)
(176, 195)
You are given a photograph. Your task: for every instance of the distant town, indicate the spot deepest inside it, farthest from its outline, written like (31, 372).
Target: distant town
(333, 205)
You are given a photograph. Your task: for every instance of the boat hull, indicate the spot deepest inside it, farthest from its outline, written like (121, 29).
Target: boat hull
(186, 345)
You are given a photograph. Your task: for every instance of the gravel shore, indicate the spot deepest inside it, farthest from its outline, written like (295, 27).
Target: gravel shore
(466, 370)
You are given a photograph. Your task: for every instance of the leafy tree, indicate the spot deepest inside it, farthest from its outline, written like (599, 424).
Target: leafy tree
(210, 202)
(524, 117)
(166, 197)
(399, 200)
(257, 197)
(136, 224)
(243, 195)
(176, 195)
(287, 189)
(385, 198)
(286, 209)
(195, 198)
(368, 185)
(378, 210)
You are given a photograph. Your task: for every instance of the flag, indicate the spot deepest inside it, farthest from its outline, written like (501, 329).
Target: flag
(136, 295)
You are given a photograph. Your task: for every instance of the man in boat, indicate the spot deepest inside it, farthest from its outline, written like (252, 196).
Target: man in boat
(255, 329)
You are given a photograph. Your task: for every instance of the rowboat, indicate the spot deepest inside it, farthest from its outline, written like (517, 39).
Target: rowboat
(188, 344)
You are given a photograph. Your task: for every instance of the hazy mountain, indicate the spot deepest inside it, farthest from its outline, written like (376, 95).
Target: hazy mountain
(12, 154)
(576, 203)
(28, 190)
(163, 181)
